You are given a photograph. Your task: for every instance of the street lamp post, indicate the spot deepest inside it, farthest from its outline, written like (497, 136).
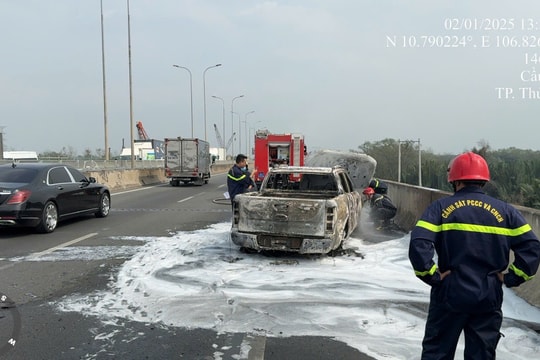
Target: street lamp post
(191, 93)
(1, 142)
(104, 87)
(245, 128)
(204, 95)
(232, 120)
(252, 137)
(224, 138)
(239, 138)
(132, 140)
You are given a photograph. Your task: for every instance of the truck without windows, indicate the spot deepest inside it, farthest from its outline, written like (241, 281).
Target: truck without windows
(297, 209)
(187, 161)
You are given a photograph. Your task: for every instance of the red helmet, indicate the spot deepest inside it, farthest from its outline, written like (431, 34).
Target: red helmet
(468, 166)
(368, 191)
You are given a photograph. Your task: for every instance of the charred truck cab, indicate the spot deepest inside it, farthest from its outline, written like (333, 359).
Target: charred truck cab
(272, 150)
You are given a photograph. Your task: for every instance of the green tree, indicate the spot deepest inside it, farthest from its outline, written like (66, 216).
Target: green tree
(515, 173)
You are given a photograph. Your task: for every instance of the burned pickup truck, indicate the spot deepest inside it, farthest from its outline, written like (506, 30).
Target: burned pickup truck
(307, 210)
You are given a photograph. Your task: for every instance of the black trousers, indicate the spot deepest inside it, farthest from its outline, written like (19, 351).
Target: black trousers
(443, 328)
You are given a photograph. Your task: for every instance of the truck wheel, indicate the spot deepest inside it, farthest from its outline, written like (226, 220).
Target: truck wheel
(49, 218)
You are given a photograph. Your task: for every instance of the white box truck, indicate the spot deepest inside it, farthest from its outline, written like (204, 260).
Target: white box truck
(187, 160)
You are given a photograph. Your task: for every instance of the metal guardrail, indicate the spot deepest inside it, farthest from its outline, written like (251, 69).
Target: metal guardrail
(99, 164)
(106, 164)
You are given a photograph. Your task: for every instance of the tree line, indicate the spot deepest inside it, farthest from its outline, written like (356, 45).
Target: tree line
(515, 173)
(70, 153)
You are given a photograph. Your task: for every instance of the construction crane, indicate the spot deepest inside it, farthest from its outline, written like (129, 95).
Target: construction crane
(220, 139)
(142, 133)
(230, 141)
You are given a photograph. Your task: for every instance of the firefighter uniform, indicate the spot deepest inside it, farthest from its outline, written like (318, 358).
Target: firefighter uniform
(379, 186)
(382, 208)
(238, 181)
(472, 234)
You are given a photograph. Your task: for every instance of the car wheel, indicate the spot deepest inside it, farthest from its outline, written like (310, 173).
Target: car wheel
(49, 218)
(104, 205)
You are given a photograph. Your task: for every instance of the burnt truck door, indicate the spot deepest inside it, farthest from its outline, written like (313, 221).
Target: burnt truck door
(353, 199)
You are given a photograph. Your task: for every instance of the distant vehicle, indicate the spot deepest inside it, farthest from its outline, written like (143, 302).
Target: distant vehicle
(187, 160)
(20, 155)
(41, 195)
(150, 149)
(307, 210)
(277, 149)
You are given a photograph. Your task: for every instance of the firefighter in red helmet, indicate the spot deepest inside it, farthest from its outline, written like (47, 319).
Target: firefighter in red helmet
(382, 209)
(368, 192)
(472, 234)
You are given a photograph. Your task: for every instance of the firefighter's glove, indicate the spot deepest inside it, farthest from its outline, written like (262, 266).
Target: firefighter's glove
(431, 280)
(512, 280)
(435, 279)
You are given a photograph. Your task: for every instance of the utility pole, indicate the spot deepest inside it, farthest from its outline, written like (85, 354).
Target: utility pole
(419, 164)
(1, 142)
(132, 140)
(105, 126)
(419, 159)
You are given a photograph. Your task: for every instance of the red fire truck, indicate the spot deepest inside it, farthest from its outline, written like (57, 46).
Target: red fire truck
(277, 149)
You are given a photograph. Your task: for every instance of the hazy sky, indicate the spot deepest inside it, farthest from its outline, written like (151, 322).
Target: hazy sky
(336, 71)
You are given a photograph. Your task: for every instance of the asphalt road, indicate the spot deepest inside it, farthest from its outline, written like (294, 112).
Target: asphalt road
(32, 328)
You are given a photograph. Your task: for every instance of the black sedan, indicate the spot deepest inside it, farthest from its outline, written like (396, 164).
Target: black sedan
(40, 195)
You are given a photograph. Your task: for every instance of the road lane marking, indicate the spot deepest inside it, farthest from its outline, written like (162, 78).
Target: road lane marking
(54, 248)
(258, 345)
(134, 190)
(48, 251)
(7, 266)
(191, 197)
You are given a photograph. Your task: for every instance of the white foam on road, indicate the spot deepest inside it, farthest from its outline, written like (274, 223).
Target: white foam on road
(371, 302)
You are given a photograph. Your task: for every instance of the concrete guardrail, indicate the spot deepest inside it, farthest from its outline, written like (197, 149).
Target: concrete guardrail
(122, 179)
(411, 202)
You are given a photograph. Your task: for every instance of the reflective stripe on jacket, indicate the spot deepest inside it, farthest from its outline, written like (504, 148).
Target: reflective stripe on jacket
(238, 181)
(472, 234)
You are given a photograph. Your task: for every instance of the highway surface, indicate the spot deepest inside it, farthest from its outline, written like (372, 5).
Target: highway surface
(31, 326)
